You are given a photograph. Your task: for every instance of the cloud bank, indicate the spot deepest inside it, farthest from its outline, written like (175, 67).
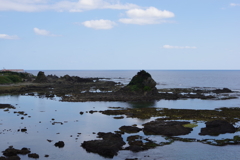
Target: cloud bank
(99, 24)
(5, 36)
(149, 16)
(64, 5)
(178, 47)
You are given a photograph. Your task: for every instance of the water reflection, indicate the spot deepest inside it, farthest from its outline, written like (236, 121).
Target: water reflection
(151, 104)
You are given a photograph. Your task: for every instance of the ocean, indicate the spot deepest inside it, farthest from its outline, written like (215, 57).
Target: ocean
(42, 112)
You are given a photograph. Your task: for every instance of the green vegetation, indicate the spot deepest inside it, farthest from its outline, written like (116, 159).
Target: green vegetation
(190, 125)
(231, 115)
(8, 77)
(137, 82)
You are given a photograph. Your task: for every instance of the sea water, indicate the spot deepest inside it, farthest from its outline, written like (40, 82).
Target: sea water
(43, 112)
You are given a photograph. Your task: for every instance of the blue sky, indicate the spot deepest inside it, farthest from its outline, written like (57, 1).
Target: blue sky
(119, 34)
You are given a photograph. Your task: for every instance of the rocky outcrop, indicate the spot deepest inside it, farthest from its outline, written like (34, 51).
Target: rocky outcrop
(141, 84)
(59, 144)
(224, 90)
(167, 128)
(130, 129)
(12, 153)
(108, 147)
(6, 106)
(217, 127)
(41, 78)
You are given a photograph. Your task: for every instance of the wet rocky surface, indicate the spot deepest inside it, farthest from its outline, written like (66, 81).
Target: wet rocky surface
(130, 129)
(217, 127)
(167, 128)
(108, 147)
(12, 154)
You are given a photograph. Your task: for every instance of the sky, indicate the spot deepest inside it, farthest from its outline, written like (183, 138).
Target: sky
(120, 34)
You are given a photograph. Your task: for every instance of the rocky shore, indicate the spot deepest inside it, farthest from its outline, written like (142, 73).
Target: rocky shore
(76, 89)
(169, 123)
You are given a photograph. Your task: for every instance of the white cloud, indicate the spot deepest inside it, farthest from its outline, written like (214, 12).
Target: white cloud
(178, 47)
(43, 32)
(234, 4)
(99, 24)
(149, 16)
(64, 5)
(5, 36)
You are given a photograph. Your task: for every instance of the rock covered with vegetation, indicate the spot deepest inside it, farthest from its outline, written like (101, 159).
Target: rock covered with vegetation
(8, 77)
(142, 83)
(41, 78)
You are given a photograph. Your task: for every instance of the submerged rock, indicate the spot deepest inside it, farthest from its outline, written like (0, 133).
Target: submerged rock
(108, 147)
(217, 127)
(168, 128)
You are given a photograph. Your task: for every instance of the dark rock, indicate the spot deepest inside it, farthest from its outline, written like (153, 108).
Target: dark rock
(41, 78)
(33, 155)
(10, 158)
(135, 148)
(168, 128)
(24, 130)
(217, 127)
(224, 90)
(81, 113)
(59, 144)
(142, 83)
(130, 129)
(3, 106)
(46, 155)
(108, 147)
(10, 151)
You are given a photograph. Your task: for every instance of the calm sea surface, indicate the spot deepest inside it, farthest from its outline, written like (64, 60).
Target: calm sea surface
(42, 112)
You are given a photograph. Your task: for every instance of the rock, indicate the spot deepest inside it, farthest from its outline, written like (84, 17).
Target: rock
(135, 148)
(224, 90)
(4, 106)
(168, 128)
(10, 158)
(217, 127)
(107, 147)
(24, 130)
(142, 83)
(41, 78)
(130, 129)
(81, 113)
(10, 151)
(59, 144)
(33, 155)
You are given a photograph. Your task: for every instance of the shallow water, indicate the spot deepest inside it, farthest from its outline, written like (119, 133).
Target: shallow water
(42, 111)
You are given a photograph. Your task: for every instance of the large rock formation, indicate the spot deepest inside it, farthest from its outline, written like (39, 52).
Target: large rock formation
(142, 83)
(41, 78)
